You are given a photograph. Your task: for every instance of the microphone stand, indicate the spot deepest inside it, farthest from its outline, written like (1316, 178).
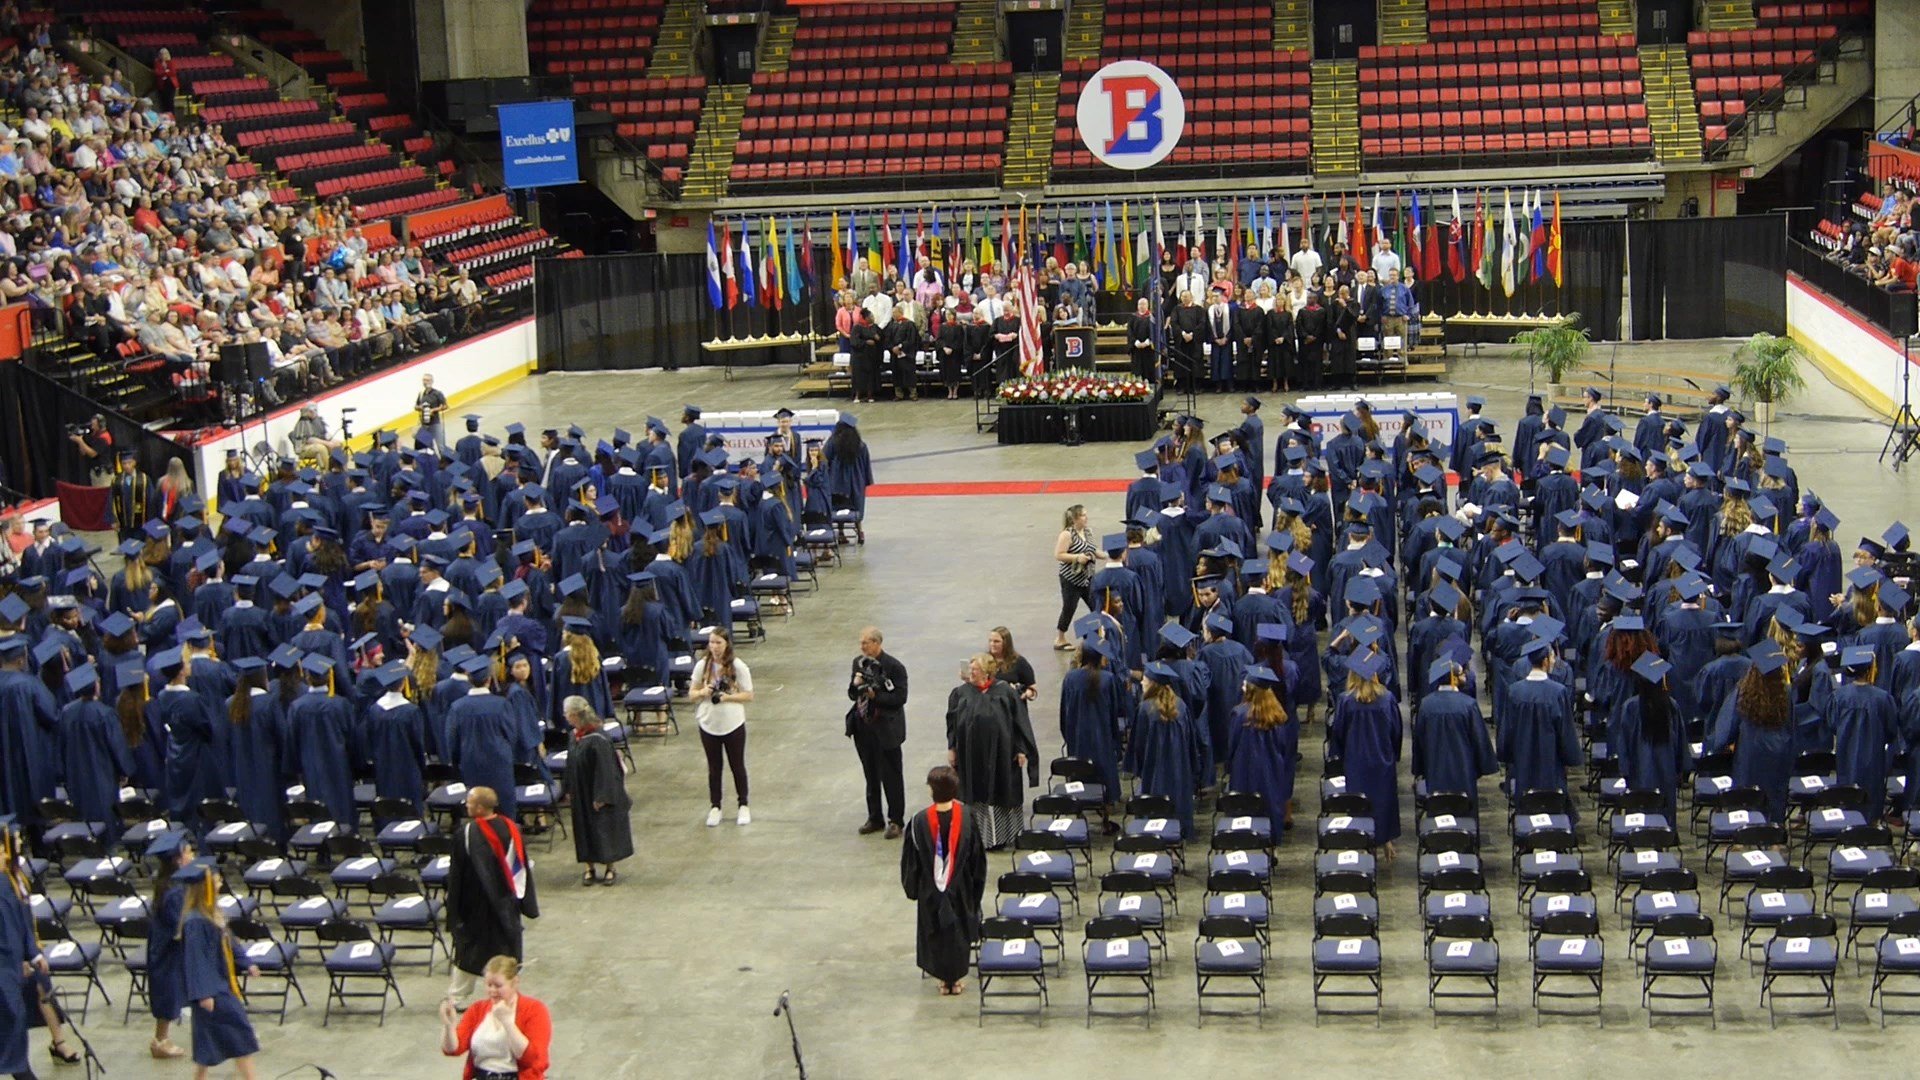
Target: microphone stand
(785, 1007)
(95, 1067)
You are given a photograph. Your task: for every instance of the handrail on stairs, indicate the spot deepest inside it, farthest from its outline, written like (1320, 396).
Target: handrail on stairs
(1797, 78)
(1906, 117)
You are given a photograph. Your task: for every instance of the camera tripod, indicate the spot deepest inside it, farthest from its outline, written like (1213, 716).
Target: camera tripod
(1903, 432)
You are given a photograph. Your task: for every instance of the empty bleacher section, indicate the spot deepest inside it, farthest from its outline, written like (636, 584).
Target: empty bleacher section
(1503, 94)
(606, 46)
(900, 107)
(1247, 103)
(1735, 71)
(1469, 20)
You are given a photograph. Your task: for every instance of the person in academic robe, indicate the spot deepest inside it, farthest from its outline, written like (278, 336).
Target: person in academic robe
(221, 1030)
(490, 889)
(1648, 735)
(1451, 747)
(319, 730)
(950, 349)
(192, 765)
(1186, 338)
(993, 750)
(597, 796)
(27, 716)
(1095, 710)
(849, 467)
(901, 340)
(577, 670)
(166, 964)
(1756, 722)
(257, 747)
(865, 362)
(1864, 719)
(1164, 746)
(1263, 745)
(1364, 732)
(643, 632)
(1343, 340)
(943, 868)
(1311, 329)
(717, 571)
(393, 735)
(1142, 360)
(482, 740)
(93, 751)
(1537, 743)
(24, 983)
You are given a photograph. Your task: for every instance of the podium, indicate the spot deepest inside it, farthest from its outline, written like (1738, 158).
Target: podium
(1073, 347)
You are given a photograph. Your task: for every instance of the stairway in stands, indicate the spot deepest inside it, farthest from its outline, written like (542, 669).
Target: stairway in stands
(673, 46)
(1030, 133)
(1672, 113)
(1616, 17)
(1084, 22)
(1292, 24)
(714, 141)
(976, 36)
(1336, 118)
(1728, 15)
(1403, 22)
(776, 45)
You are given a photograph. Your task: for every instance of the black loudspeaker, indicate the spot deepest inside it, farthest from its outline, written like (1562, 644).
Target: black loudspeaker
(259, 361)
(1903, 321)
(245, 362)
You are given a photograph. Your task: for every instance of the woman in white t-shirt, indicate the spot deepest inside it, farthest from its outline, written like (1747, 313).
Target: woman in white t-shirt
(722, 685)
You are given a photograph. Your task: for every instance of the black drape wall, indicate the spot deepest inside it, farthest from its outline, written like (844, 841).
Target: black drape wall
(1709, 277)
(35, 415)
(621, 312)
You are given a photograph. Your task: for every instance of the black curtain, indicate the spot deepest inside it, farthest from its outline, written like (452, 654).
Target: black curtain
(1591, 260)
(1593, 257)
(1709, 277)
(621, 312)
(36, 415)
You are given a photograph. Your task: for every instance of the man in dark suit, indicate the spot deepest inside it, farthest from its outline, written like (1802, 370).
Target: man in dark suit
(877, 724)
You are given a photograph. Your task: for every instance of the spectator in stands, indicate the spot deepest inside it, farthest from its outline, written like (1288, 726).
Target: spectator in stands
(166, 81)
(862, 279)
(929, 285)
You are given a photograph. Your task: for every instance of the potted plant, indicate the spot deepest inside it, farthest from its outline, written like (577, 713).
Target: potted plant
(1766, 370)
(1557, 348)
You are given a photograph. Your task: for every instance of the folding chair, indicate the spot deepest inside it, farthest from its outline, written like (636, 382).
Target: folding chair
(1857, 852)
(1727, 813)
(1009, 951)
(1345, 894)
(1346, 851)
(302, 906)
(1229, 947)
(1543, 851)
(1639, 813)
(536, 797)
(354, 865)
(1897, 956)
(1152, 857)
(1242, 849)
(1153, 816)
(1449, 812)
(1045, 854)
(1131, 893)
(401, 828)
(1116, 949)
(1830, 812)
(1779, 894)
(1884, 896)
(1569, 963)
(1243, 811)
(1560, 892)
(134, 959)
(1346, 947)
(1029, 898)
(433, 858)
(255, 947)
(356, 957)
(744, 611)
(1660, 894)
(650, 711)
(1461, 948)
(1444, 849)
(1060, 815)
(1681, 949)
(1750, 852)
(1079, 779)
(1455, 894)
(1802, 947)
(70, 961)
(1649, 849)
(116, 904)
(1241, 893)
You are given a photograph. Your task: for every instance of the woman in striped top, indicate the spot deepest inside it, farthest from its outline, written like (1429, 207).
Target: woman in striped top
(1074, 551)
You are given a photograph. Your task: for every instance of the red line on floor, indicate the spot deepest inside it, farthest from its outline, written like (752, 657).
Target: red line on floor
(998, 487)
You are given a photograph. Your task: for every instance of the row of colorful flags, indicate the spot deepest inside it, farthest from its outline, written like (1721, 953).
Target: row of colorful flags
(771, 261)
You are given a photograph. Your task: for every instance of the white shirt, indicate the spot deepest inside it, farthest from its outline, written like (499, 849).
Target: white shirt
(1306, 263)
(727, 717)
(881, 305)
(489, 1049)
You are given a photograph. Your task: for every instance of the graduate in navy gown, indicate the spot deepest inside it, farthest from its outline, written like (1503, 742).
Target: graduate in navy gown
(1226, 661)
(319, 730)
(256, 741)
(644, 629)
(1093, 710)
(193, 768)
(1756, 722)
(27, 715)
(849, 467)
(1263, 746)
(1364, 732)
(483, 741)
(23, 964)
(93, 752)
(1648, 737)
(166, 969)
(577, 670)
(1864, 719)
(1451, 747)
(393, 735)
(717, 571)
(1164, 750)
(1537, 742)
(221, 1030)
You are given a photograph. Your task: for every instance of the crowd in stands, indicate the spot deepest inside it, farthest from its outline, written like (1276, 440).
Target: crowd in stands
(120, 222)
(1881, 243)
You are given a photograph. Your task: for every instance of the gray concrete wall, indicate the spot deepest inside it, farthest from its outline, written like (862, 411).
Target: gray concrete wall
(338, 21)
(483, 39)
(1896, 56)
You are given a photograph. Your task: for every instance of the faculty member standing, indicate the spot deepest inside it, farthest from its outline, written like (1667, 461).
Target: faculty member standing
(877, 724)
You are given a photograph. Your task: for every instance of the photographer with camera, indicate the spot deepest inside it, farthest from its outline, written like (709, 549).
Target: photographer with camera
(877, 724)
(93, 444)
(722, 686)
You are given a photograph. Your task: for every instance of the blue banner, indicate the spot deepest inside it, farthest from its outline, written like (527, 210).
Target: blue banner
(538, 144)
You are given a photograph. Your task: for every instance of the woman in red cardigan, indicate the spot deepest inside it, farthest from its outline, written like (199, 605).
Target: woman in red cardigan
(504, 1035)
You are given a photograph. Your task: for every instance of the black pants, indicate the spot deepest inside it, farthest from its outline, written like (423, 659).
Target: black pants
(1071, 596)
(734, 745)
(866, 374)
(905, 376)
(881, 767)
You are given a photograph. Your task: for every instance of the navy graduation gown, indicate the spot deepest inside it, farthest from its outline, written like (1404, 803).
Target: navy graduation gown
(1537, 740)
(394, 735)
(483, 745)
(1166, 756)
(1366, 739)
(1648, 765)
(27, 717)
(1864, 720)
(166, 968)
(94, 757)
(17, 947)
(594, 690)
(319, 726)
(1451, 747)
(643, 645)
(1762, 757)
(243, 632)
(1226, 661)
(261, 774)
(1091, 718)
(193, 763)
(222, 1032)
(716, 580)
(1263, 761)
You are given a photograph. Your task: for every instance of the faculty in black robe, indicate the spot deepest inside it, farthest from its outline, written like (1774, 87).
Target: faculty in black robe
(597, 792)
(484, 902)
(943, 868)
(1140, 342)
(990, 743)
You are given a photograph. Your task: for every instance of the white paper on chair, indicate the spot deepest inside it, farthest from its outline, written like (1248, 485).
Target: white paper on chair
(1539, 821)
(259, 948)
(1231, 948)
(740, 603)
(1447, 858)
(1345, 902)
(1665, 900)
(1756, 858)
(1392, 342)
(1445, 821)
(1644, 857)
(1833, 813)
(1559, 903)
(1032, 900)
(1874, 900)
(361, 863)
(1547, 858)
(1773, 899)
(1339, 822)
(231, 828)
(1454, 900)
(1574, 947)
(1813, 781)
(1039, 858)
(1634, 821)
(269, 865)
(1158, 824)
(1145, 862)
(1677, 948)
(1349, 947)
(1739, 817)
(1460, 948)
(1722, 783)
(361, 950)
(1233, 901)
(406, 902)
(1015, 947)
(1240, 823)
(1073, 787)
(535, 789)
(456, 788)
(1347, 858)
(1117, 949)
(1059, 824)
(1129, 903)
(1365, 344)
(1852, 854)
(1907, 946)
(312, 902)
(1236, 858)
(1799, 945)
(407, 827)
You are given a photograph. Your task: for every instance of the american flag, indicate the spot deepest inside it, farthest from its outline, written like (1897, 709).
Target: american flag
(1032, 359)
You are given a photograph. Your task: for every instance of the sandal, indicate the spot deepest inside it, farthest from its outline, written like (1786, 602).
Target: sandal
(591, 877)
(610, 876)
(71, 1057)
(165, 1050)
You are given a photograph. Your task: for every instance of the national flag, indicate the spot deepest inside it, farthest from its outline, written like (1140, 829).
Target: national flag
(1539, 240)
(714, 295)
(907, 249)
(1358, 246)
(1400, 239)
(1522, 242)
(1115, 263)
(985, 262)
(1129, 264)
(1306, 223)
(837, 267)
(886, 241)
(726, 264)
(749, 289)
(1200, 231)
(1154, 284)
(1218, 254)
(1007, 260)
(806, 256)
(1553, 241)
(1416, 247)
(939, 252)
(876, 236)
(920, 233)
(1432, 247)
(791, 261)
(1480, 238)
(1080, 252)
(1285, 251)
(1233, 243)
(771, 287)
(1032, 357)
(1374, 233)
(1061, 243)
(1490, 245)
(1457, 257)
(1508, 241)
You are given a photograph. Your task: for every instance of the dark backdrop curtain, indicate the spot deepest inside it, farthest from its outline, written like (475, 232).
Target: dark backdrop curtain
(621, 312)
(1593, 259)
(35, 415)
(1710, 277)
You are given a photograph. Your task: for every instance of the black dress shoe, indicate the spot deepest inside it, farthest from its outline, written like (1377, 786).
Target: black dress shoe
(871, 827)
(894, 831)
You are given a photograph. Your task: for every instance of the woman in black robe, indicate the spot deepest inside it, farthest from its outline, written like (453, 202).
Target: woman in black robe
(489, 890)
(943, 867)
(597, 792)
(1343, 350)
(990, 744)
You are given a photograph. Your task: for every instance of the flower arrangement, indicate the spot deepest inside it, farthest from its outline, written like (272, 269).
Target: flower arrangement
(1075, 388)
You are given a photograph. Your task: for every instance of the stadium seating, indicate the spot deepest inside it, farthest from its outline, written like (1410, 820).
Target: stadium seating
(1733, 70)
(1515, 98)
(1471, 20)
(605, 47)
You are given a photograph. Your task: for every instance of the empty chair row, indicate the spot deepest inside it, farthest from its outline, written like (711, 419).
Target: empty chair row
(817, 170)
(1621, 91)
(917, 144)
(1475, 27)
(881, 120)
(1513, 48)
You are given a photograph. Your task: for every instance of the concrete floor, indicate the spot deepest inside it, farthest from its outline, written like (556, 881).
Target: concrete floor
(675, 973)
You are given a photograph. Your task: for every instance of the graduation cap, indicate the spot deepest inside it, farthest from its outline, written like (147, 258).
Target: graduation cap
(1300, 563)
(192, 630)
(1893, 597)
(307, 604)
(1279, 542)
(572, 584)
(1113, 543)
(1557, 456)
(13, 645)
(1444, 598)
(1896, 537)
(1429, 475)
(1102, 647)
(1783, 568)
(1614, 423)
(1557, 416)
(1272, 631)
(1363, 591)
(1767, 657)
(113, 625)
(1863, 577)
(1161, 671)
(1290, 505)
(1689, 586)
(1568, 519)
(1220, 493)
(13, 609)
(1263, 676)
(390, 676)
(1536, 646)
(579, 624)
(1367, 630)
(1441, 670)
(286, 656)
(1872, 547)
(246, 664)
(1857, 657)
(168, 844)
(1765, 548)
(1360, 526)
(713, 517)
(851, 420)
(1089, 625)
(1826, 519)
(1699, 471)
(532, 492)
(1651, 667)
(82, 678)
(1526, 567)
(1147, 461)
(1451, 528)
(167, 662)
(1622, 590)
(1220, 622)
(1687, 557)
(1295, 453)
(425, 637)
(513, 590)
(1763, 509)
(1367, 665)
(1475, 401)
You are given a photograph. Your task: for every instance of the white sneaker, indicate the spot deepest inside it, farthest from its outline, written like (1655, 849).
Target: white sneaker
(713, 817)
(745, 818)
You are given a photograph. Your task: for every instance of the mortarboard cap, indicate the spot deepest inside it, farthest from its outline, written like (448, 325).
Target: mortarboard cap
(1263, 676)
(1767, 657)
(80, 679)
(1857, 657)
(573, 583)
(13, 609)
(1368, 665)
(425, 637)
(1161, 671)
(1651, 667)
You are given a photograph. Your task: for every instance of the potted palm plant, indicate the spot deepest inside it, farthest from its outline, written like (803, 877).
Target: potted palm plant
(1766, 370)
(1556, 348)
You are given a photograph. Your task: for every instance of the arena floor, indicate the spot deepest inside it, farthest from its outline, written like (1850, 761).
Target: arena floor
(675, 973)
